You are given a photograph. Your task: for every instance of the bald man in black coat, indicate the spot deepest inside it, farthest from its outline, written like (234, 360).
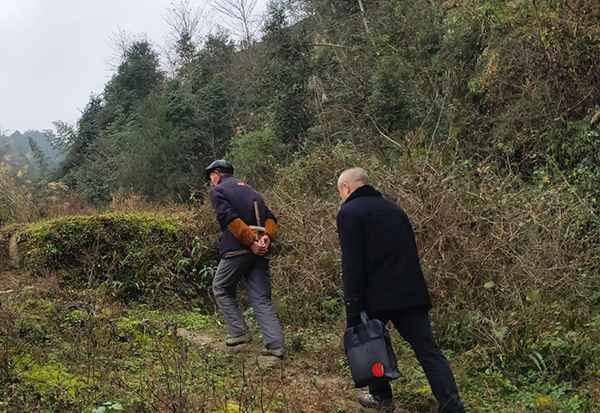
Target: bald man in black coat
(382, 276)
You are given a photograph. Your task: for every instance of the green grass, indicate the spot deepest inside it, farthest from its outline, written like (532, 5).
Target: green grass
(61, 351)
(190, 320)
(64, 353)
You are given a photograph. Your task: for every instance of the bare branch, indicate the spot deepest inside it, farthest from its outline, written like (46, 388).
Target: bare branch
(185, 25)
(241, 12)
(120, 41)
(184, 20)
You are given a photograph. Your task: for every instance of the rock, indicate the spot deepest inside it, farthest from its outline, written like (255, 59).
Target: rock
(596, 118)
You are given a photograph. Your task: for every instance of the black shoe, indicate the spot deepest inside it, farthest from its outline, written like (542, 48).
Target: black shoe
(454, 405)
(369, 401)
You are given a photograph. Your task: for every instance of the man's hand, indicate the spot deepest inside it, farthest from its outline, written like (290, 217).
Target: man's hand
(265, 241)
(259, 249)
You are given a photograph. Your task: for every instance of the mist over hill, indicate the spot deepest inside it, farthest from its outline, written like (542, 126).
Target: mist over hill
(24, 153)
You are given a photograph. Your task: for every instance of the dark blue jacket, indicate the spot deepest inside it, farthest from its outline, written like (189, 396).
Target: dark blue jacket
(381, 267)
(233, 199)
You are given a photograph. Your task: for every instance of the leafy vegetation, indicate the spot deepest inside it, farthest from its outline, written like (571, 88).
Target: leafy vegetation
(132, 255)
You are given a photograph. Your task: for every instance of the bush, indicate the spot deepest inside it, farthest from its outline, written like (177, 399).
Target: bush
(578, 153)
(16, 204)
(257, 155)
(136, 256)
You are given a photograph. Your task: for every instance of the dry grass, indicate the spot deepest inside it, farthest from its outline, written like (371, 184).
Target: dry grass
(498, 253)
(16, 204)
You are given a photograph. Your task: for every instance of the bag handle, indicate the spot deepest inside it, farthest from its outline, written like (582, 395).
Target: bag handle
(364, 317)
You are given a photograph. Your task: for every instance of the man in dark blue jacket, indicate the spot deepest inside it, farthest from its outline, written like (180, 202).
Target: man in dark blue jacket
(382, 276)
(240, 211)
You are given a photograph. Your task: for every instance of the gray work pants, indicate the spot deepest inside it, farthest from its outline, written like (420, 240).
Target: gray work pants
(253, 271)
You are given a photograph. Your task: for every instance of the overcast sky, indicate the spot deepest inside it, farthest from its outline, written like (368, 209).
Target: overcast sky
(55, 53)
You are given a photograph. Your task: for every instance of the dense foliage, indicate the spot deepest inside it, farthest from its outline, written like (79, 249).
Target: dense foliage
(135, 256)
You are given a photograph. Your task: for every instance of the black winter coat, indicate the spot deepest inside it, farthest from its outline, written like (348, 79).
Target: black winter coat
(380, 263)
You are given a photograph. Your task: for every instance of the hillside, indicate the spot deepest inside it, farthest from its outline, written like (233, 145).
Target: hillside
(516, 303)
(20, 159)
(480, 118)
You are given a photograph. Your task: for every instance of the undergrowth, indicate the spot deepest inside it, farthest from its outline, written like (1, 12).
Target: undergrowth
(512, 266)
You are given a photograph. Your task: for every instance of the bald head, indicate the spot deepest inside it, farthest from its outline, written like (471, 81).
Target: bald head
(350, 180)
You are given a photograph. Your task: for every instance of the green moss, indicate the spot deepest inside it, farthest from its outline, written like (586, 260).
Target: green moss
(38, 307)
(190, 320)
(51, 381)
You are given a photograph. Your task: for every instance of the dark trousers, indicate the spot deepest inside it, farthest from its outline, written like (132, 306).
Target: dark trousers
(415, 327)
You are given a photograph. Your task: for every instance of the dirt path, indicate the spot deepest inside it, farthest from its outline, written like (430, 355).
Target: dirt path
(14, 281)
(306, 387)
(309, 380)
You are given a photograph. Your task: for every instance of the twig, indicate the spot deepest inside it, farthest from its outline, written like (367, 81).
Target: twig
(340, 46)
(383, 134)
(566, 112)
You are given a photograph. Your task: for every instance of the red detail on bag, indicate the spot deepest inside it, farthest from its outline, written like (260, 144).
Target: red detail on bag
(378, 370)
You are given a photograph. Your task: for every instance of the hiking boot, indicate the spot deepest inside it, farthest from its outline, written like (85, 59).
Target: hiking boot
(274, 352)
(368, 401)
(236, 341)
(453, 405)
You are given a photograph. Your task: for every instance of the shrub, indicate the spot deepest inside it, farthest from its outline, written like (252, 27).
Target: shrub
(257, 155)
(578, 153)
(135, 256)
(16, 204)
(511, 266)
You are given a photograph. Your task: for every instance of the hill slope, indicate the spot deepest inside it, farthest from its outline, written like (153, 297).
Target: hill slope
(17, 156)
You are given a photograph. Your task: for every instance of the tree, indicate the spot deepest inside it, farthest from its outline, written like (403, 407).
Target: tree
(92, 148)
(184, 25)
(289, 70)
(77, 142)
(39, 156)
(241, 13)
(199, 105)
(137, 76)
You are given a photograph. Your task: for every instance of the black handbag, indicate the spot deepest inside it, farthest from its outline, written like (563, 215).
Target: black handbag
(370, 353)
